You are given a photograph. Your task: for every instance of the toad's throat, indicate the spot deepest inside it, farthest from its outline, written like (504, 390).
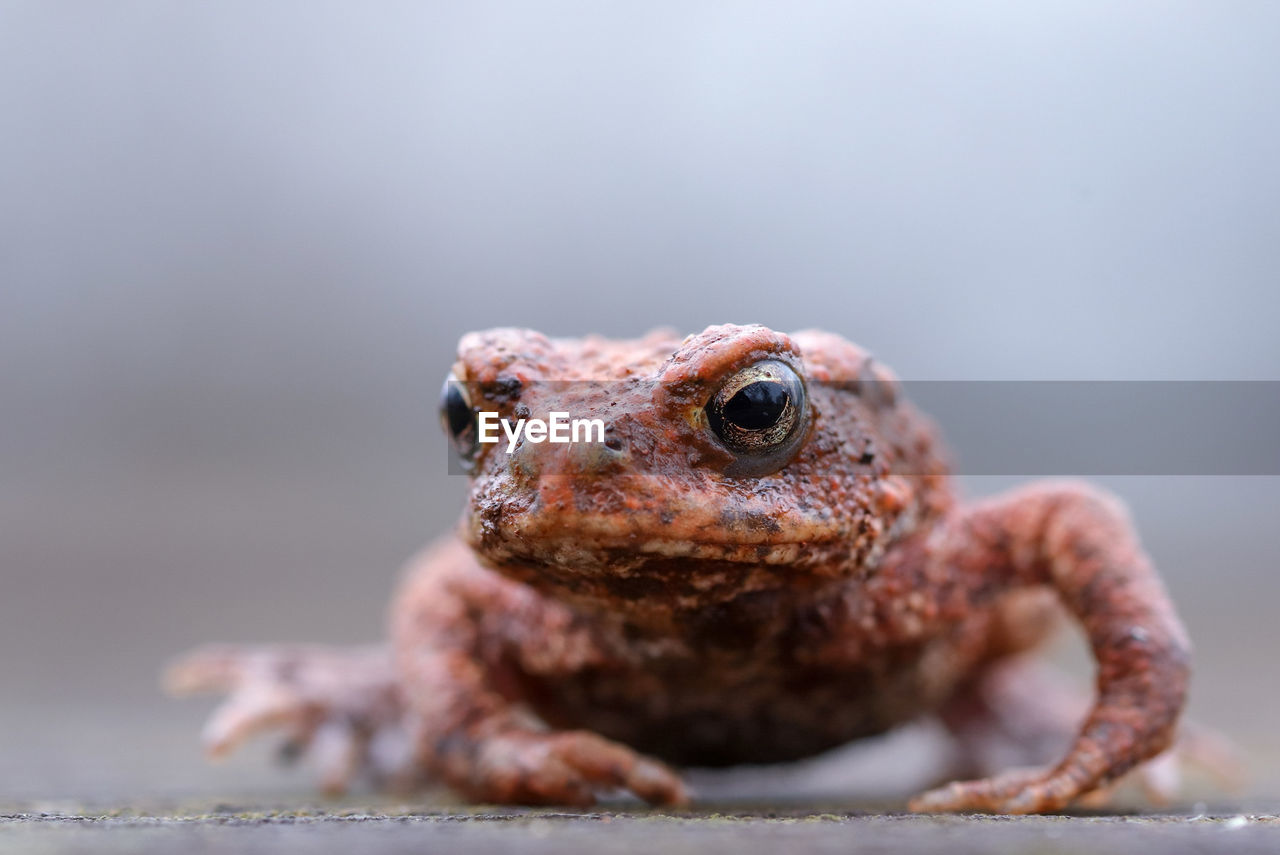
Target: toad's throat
(680, 584)
(700, 603)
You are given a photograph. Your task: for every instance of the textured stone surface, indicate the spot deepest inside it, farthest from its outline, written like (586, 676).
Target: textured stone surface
(387, 828)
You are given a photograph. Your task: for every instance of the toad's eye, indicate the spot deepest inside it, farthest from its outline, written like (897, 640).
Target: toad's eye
(457, 418)
(760, 414)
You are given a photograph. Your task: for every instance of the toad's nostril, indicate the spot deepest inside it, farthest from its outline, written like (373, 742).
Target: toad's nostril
(597, 457)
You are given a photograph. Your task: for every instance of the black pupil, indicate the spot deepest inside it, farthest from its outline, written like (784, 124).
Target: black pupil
(456, 410)
(757, 406)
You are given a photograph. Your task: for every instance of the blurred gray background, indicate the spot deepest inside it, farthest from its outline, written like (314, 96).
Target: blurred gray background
(239, 241)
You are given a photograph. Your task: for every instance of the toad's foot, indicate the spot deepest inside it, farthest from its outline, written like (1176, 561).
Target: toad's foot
(519, 766)
(1196, 748)
(340, 706)
(1022, 714)
(1014, 791)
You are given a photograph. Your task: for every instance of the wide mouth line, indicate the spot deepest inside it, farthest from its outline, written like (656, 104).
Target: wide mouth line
(635, 542)
(735, 551)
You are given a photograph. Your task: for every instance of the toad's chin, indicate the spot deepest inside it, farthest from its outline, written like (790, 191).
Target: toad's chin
(657, 580)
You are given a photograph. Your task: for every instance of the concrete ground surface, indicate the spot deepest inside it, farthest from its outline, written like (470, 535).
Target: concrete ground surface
(384, 828)
(138, 784)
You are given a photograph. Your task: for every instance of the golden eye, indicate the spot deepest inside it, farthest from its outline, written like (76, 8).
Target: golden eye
(458, 419)
(760, 414)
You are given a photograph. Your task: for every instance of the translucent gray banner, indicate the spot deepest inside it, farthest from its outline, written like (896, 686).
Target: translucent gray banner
(1106, 427)
(1062, 428)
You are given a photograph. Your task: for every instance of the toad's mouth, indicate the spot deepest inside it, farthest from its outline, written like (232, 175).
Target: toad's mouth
(651, 565)
(759, 535)
(615, 526)
(589, 540)
(598, 546)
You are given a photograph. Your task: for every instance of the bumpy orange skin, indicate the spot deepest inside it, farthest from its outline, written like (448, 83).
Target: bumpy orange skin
(612, 608)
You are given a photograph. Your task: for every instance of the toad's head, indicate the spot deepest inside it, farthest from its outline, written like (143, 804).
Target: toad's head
(739, 461)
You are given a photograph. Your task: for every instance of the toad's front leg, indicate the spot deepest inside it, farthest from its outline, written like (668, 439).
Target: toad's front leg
(466, 641)
(341, 706)
(1080, 542)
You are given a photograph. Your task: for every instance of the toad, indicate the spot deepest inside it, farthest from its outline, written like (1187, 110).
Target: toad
(763, 559)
